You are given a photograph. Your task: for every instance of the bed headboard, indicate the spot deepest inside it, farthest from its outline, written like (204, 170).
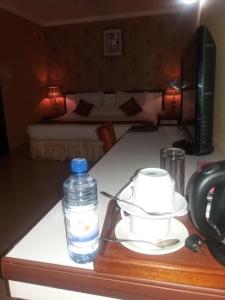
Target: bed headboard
(148, 100)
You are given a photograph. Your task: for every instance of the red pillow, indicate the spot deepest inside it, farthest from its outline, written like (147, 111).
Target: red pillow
(83, 108)
(130, 107)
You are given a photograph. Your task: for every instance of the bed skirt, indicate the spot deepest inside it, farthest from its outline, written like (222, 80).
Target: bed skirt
(92, 150)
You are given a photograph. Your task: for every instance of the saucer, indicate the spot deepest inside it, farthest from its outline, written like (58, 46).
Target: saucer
(177, 231)
(180, 204)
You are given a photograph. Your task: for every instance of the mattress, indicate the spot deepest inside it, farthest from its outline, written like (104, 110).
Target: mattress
(73, 127)
(72, 135)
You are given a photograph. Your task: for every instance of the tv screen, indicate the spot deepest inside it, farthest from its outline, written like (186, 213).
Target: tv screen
(197, 94)
(188, 94)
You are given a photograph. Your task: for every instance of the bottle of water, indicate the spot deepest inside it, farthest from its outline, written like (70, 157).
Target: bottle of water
(80, 213)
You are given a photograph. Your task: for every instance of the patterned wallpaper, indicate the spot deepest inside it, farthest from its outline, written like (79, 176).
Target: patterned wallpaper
(151, 50)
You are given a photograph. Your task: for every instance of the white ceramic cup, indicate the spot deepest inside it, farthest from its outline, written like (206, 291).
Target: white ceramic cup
(147, 228)
(153, 189)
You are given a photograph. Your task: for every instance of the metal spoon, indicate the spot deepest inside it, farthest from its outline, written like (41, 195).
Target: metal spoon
(133, 204)
(159, 244)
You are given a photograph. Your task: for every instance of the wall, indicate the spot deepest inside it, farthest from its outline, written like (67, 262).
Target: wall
(151, 49)
(151, 58)
(213, 16)
(23, 74)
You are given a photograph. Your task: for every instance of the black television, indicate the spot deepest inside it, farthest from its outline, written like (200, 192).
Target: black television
(197, 94)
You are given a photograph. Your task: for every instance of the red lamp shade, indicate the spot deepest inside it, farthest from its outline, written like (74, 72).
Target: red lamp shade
(53, 91)
(172, 91)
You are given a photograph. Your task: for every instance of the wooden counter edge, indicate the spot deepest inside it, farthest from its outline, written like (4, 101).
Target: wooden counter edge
(92, 282)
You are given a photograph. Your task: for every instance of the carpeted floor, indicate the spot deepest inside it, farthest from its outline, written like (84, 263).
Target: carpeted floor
(28, 188)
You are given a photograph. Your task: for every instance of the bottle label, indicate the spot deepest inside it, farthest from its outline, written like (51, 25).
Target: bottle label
(82, 226)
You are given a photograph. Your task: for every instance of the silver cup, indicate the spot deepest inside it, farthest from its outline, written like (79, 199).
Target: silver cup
(173, 161)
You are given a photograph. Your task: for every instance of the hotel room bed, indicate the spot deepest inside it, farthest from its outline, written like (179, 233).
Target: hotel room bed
(73, 135)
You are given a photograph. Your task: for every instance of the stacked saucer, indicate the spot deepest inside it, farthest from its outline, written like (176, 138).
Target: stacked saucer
(136, 224)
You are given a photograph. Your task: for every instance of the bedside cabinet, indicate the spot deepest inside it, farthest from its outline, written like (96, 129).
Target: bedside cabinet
(171, 107)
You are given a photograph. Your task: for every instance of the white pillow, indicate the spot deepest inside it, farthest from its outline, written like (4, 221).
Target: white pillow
(109, 100)
(106, 111)
(154, 101)
(70, 102)
(148, 116)
(122, 97)
(73, 99)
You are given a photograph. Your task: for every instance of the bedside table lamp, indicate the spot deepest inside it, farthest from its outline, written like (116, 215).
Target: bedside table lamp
(53, 94)
(177, 85)
(173, 100)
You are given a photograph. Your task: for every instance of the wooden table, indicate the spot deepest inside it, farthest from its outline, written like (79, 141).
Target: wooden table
(38, 267)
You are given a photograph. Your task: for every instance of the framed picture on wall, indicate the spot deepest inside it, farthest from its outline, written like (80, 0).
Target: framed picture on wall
(112, 42)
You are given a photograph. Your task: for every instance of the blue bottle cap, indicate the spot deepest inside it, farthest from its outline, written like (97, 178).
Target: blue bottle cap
(79, 165)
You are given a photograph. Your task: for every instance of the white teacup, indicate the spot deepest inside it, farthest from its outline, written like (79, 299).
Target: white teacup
(147, 228)
(153, 189)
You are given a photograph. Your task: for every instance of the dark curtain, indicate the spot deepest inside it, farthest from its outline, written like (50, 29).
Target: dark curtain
(4, 147)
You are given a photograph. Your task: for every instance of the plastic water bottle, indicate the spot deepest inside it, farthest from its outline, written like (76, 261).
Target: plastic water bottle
(80, 213)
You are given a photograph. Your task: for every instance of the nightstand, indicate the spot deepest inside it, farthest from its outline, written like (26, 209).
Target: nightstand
(171, 108)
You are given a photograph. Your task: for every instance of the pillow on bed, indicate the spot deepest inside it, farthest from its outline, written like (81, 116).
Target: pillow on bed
(148, 116)
(109, 100)
(72, 100)
(122, 97)
(130, 107)
(83, 108)
(106, 111)
(153, 101)
(92, 97)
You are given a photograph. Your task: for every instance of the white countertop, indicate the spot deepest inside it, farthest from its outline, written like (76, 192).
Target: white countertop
(46, 242)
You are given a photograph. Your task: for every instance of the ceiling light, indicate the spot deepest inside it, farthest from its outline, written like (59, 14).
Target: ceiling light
(202, 2)
(189, 1)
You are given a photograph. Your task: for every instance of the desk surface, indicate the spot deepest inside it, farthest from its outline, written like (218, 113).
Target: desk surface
(40, 260)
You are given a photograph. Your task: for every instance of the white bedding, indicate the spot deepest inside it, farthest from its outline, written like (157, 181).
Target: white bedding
(80, 131)
(67, 130)
(141, 116)
(70, 131)
(71, 134)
